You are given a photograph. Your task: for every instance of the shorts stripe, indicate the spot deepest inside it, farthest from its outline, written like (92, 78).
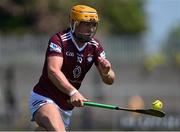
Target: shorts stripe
(36, 101)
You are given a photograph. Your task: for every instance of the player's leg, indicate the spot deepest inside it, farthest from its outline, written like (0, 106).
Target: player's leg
(49, 117)
(45, 112)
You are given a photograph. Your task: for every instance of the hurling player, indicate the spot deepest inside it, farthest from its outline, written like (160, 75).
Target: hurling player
(69, 56)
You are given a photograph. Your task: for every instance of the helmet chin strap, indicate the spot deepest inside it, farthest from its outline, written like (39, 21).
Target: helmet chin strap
(74, 26)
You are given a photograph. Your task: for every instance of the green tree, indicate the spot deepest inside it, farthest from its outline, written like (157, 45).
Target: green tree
(116, 16)
(124, 16)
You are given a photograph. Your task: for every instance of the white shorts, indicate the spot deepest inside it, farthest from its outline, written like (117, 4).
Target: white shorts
(36, 101)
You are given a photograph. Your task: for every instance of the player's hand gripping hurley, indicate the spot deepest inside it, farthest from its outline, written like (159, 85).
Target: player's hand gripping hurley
(151, 112)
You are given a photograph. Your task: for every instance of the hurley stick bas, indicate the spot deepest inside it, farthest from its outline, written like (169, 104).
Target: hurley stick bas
(151, 112)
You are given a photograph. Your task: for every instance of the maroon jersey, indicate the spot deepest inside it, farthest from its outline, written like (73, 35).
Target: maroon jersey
(76, 63)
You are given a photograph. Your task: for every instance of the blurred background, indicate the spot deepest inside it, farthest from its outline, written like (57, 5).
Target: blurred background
(141, 39)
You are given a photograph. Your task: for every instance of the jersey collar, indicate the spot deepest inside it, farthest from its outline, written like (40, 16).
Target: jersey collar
(74, 42)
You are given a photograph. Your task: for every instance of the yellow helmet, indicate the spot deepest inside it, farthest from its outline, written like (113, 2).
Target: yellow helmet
(83, 13)
(80, 14)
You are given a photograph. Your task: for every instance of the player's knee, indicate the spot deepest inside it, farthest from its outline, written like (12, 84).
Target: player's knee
(58, 127)
(49, 125)
(54, 125)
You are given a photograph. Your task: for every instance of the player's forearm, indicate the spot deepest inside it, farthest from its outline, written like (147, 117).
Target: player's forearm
(60, 81)
(108, 78)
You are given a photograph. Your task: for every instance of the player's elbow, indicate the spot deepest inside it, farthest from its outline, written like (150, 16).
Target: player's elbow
(109, 81)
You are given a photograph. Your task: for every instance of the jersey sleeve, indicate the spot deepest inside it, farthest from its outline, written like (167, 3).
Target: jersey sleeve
(99, 52)
(54, 46)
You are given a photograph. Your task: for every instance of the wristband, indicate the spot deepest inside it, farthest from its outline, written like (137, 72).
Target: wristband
(73, 92)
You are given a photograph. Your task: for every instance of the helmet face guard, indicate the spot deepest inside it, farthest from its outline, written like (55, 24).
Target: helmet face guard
(85, 36)
(81, 14)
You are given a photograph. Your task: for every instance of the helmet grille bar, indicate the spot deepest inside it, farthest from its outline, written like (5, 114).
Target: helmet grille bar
(90, 12)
